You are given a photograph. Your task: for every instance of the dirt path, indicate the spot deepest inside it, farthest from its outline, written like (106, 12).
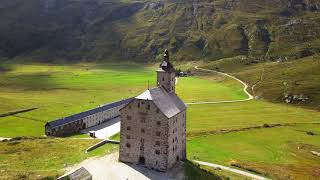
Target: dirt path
(250, 97)
(237, 171)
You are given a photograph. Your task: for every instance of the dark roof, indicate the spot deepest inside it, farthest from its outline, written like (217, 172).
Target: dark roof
(168, 103)
(81, 115)
(81, 173)
(166, 66)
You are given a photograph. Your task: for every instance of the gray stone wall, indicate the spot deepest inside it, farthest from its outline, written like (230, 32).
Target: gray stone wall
(177, 139)
(144, 134)
(156, 149)
(166, 80)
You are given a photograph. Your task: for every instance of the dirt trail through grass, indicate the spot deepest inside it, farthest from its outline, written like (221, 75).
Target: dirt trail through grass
(250, 97)
(232, 170)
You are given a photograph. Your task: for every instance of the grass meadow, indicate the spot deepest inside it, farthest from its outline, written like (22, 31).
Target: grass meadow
(238, 134)
(35, 158)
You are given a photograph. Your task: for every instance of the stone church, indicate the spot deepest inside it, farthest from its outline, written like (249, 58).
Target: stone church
(153, 124)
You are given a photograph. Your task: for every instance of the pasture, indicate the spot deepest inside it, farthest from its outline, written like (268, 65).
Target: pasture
(61, 90)
(40, 158)
(239, 134)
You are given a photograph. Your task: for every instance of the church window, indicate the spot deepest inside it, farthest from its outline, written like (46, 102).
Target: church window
(158, 143)
(157, 151)
(129, 107)
(163, 79)
(128, 128)
(142, 140)
(158, 133)
(128, 137)
(128, 145)
(142, 130)
(148, 107)
(138, 105)
(158, 110)
(158, 123)
(143, 120)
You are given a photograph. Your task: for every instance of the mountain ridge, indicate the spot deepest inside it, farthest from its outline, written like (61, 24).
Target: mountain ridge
(139, 30)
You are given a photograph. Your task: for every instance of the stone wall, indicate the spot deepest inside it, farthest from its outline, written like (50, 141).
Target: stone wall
(167, 80)
(177, 138)
(144, 134)
(148, 133)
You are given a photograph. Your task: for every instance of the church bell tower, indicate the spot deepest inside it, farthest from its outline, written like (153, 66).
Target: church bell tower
(166, 75)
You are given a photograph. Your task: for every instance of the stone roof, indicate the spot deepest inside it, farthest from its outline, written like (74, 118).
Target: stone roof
(168, 103)
(166, 66)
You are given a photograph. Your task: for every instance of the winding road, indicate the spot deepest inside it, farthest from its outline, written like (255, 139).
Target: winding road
(237, 171)
(245, 89)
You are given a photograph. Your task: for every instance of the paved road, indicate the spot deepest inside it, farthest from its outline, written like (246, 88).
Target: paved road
(108, 167)
(250, 97)
(253, 176)
(105, 130)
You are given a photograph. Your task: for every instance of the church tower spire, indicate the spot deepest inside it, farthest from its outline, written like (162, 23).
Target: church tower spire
(166, 76)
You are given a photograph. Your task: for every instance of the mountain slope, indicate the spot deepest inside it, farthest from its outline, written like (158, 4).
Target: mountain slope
(140, 30)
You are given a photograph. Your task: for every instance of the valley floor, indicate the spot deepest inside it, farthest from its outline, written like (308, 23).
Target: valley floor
(271, 139)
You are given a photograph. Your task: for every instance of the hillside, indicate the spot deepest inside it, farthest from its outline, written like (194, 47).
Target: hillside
(294, 82)
(47, 30)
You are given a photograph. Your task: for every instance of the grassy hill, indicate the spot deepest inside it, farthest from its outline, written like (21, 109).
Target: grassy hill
(47, 30)
(277, 81)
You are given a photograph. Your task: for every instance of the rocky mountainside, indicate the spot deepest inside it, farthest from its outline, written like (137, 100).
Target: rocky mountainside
(139, 30)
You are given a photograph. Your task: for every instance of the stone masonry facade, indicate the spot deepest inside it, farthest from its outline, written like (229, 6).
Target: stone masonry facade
(153, 125)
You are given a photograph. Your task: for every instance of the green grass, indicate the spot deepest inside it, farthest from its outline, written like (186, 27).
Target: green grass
(115, 137)
(276, 152)
(195, 89)
(210, 117)
(294, 77)
(38, 158)
(61, 90)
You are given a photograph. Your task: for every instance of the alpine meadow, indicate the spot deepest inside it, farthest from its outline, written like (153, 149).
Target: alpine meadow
(159, 89)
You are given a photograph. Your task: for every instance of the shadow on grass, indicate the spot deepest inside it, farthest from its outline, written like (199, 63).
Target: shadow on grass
(34, 81)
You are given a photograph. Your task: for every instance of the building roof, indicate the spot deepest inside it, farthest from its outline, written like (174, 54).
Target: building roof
(81, 115)
(168, 103)
(166, 66)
